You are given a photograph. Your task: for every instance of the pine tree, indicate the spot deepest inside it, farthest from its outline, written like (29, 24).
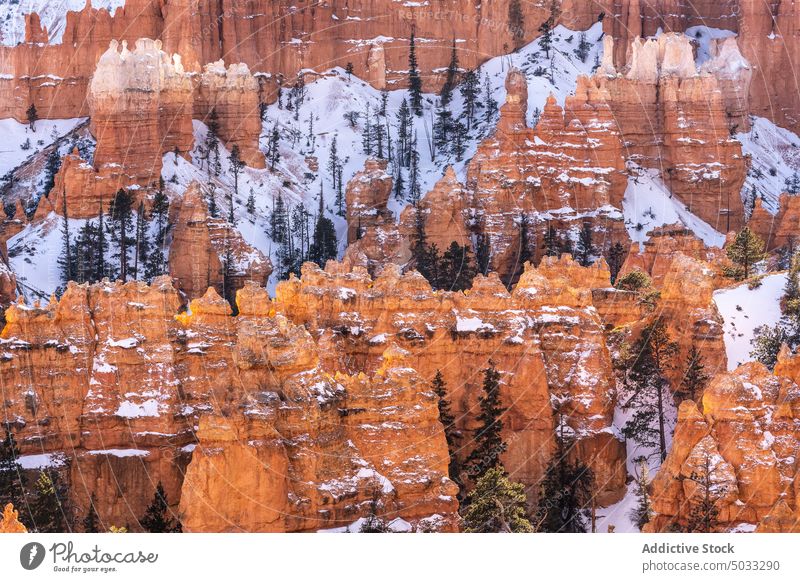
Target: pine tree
(414, 193)
(51, 168)
(551, 242)
(11, 488)
(489, 101)
(237, 165)
(585, 249)
(349, 70)
(66, 261)
(745, 251)
(451, 434)
(450, 78)
(526, 245)
(483, 253)
(616, 257)
(405, 125)
(33, 117)
(516, 23)
(424, 257)
(158, 518)
(456, 268)
(384, 102)
(120, 211)
(704, 513)
(442, 128)
(470, 89)
(212, 143)
(366, 135)
(324, 245)
(695, 378)
(458, 146)
(84, 248)
(141, 249)
(49, 504)
(211, 194)
(399, 182)
(374, 523)
(273, 148)
(643, 512)
(250, 206)
(333, 167)
(228, 260)
(790, 303)
(767, 341)
(414, 80)
(644, 378)
(546, 29)
(91, 523)
(496, 505)
(278, 220)
(489, 443)
(101, 268)
(582, 50)
(564, 491)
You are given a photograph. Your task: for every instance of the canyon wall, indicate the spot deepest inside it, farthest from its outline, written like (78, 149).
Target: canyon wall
(110, 386)
(741, 446)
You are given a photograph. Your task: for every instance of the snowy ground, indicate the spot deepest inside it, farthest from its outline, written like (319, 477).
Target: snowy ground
(326, 102)
(16, 134)
(703, 35)
(746, 309)
(648, 204)
(775, 158)
(618, 515)
(52, 13)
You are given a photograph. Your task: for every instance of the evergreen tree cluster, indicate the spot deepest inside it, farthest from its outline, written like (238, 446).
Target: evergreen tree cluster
(644, 366)
(496, 503)
(768, 339)
(43, 500)
(452, 270)
(291, 229)
(118, 244)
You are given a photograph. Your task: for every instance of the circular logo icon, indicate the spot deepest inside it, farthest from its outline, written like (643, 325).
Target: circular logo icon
(31, 555)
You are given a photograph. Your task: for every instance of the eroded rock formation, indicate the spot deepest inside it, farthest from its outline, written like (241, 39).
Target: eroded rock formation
(677, 119)
(742, 446)
(210, 252)
(546, 338)
(146, 396)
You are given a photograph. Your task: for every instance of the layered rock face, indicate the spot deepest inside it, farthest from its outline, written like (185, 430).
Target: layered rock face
(140, 108)
(567, 170)
(366, 197)
(685, 273)
(282, 39)
(373, 237)
(232, 94)
(743, 447)
(677, 119)
(141, 104)
(210, 252)
(144, 397)
(545, 338)
(780, 229)
(275, 38)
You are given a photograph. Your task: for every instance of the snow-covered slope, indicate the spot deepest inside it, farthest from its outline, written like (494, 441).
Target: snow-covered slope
(648, 203)
(52, 13)
(775, 158)
(333, 95)
(20, 143)
(744, 310)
